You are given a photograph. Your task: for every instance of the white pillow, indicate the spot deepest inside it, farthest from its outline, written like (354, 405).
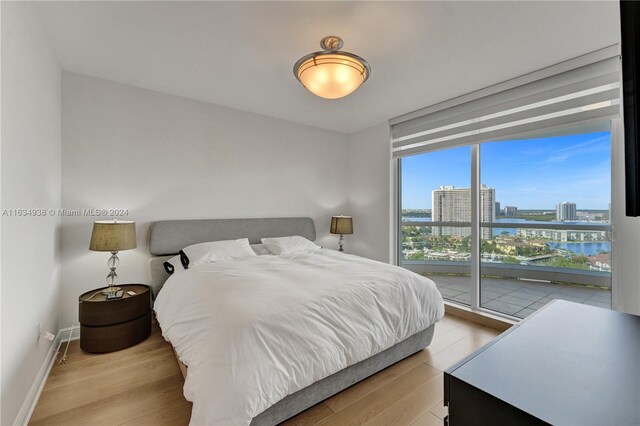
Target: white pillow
(173, 265)
(260, 249)
(198, 254)
(293, 244)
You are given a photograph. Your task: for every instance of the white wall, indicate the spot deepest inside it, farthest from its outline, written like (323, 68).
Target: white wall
(166, 157)
(369, 193)
(30, 163)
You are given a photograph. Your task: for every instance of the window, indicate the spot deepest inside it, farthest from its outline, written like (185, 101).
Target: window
(504, 194)
(544, 221)
(435, 192)
(552, 240)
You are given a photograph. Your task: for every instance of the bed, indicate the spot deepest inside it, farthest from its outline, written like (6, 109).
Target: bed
(304, 332)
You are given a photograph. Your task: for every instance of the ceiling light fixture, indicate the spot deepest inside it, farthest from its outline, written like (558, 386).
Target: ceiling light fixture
(331, 74)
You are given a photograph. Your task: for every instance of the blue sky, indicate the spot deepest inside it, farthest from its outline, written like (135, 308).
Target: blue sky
(528, 174)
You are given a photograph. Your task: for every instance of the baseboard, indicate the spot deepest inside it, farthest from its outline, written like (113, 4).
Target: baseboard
(479, 317)
(29, 404)
(75, 333)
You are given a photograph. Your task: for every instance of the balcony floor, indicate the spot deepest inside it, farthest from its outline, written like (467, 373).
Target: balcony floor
(518, 298)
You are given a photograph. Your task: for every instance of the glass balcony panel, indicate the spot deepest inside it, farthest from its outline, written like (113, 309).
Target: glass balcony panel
(442, 253)
(522, 269)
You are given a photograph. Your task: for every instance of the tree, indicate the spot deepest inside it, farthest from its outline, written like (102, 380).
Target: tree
(416, 256)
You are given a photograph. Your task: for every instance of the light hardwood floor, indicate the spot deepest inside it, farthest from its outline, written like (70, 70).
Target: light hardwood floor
(142, 385)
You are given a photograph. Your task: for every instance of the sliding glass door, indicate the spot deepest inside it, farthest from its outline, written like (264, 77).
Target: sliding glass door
(435, 226)
(550, 238)
(509, 226)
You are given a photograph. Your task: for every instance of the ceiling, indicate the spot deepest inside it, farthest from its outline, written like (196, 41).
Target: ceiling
(241, 54)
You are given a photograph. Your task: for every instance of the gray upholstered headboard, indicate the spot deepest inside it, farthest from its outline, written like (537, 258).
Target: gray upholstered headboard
(168, 237)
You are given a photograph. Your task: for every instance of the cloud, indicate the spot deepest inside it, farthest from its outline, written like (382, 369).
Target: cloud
(598, 144)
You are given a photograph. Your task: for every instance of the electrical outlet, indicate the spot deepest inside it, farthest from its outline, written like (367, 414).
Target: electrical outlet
(38, 331)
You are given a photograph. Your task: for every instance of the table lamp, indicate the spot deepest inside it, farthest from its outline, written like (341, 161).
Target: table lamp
(113, 236)
(341, 225)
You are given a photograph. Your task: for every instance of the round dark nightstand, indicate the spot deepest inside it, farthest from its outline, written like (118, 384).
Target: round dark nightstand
(111, 325)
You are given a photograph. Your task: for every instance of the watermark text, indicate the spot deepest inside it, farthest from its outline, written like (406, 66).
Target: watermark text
(84, 212)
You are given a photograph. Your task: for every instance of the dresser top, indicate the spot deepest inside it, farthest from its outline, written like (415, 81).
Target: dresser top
(566, 364)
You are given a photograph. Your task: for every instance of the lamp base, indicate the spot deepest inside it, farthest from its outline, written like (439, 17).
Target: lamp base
(110, 290)
(112, 278)
(341, 242)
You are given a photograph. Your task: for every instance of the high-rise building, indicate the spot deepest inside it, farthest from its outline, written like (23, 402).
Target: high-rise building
(510, 211)
(451, 204)
(566, 211)
(497, 207)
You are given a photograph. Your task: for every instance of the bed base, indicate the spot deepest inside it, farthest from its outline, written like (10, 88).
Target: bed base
(167, 238)
(329, 386)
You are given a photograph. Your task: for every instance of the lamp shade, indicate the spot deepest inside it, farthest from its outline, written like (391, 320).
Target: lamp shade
(332, 73)
(342, 225)
(111, 235)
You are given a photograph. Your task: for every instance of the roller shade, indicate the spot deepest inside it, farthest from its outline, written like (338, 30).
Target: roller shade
(579, 90)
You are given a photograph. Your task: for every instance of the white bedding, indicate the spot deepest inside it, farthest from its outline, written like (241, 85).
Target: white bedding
(255, 330)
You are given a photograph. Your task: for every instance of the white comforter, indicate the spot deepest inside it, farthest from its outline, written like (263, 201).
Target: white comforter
(253, 331)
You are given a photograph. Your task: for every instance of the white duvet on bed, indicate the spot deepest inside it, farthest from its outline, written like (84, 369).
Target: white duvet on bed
(255, 330)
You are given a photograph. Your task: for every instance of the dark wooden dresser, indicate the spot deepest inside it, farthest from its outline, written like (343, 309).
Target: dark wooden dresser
(110, 325)
(567, 364)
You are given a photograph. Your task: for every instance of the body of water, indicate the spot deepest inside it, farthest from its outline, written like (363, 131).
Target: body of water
(584, 248)
(505, 220)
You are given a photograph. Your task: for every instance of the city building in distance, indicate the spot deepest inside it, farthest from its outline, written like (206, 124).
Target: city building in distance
(566, 211)
(451, 204)
(497, 207)
(510, 211)
(562, 235)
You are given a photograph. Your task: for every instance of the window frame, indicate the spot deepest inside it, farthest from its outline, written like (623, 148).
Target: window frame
(617, 176)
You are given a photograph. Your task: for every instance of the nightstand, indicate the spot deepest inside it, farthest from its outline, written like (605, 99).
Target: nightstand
(111, 325)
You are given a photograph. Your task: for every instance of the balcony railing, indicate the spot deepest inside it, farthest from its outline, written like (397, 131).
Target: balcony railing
(568, 275)
(525, 268)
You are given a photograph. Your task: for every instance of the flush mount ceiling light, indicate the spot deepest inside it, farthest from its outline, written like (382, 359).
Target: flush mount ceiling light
(331, 74)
